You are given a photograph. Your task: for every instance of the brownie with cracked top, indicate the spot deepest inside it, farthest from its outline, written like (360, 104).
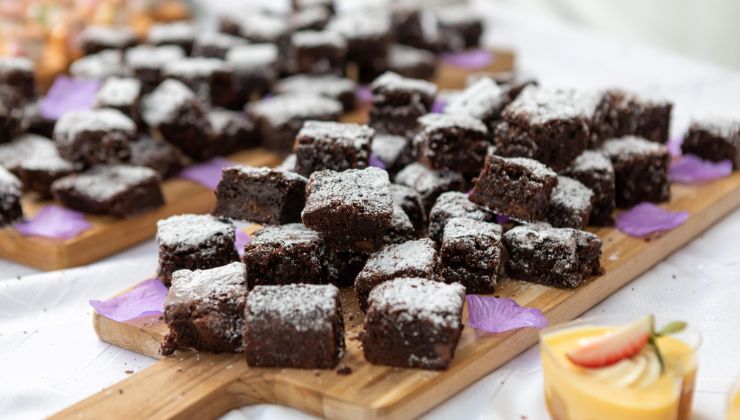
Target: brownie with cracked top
(472, 254)
(10, 198)
(455, 204)
(640, 169)
(398, 102)
(429, 183)
(331, 145)
(594, 170)
(570, 204)
(454, 142)
(714, 140)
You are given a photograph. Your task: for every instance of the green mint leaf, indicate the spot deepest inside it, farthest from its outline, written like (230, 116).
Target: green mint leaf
(654, 345)
(672, 328)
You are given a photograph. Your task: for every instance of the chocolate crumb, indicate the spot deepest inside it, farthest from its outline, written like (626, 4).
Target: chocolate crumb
(344, 370)
(128, 372)
(120, 391)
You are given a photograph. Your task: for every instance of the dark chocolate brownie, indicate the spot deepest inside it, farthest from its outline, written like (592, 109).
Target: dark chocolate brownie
(285, 254)
(294, 326)
(455, 204)
(560, 257)
(429, 183)
(352, 209)
(146, 63)
(393, 152)
(343, 267)
(401, 229)
(594, 170)
(179, 33)
(10, 198)
(413, 323)
(459, 27)
(331, 145)
(410, 201)
(215, 44)
(626, 113)
(35, 122)
(413, 24)
(368, 38)
(36, 161)
(94, 137)
(483, 100)
(570, 204)
(204, 310)
(99, 66)
(319, 52)
(98, 38)
(194, 241)
(398, 102)
(232, 131)
(261, 195)
(161, 156)
(117, 190)
(123, 94)
(472, 254)
(454, 142)
(256, 67)
(519, 188)
(513, 82)
(640, 169)
(409, 259)
(18, 74)
(412, 62)
(11, 113)
(309, 19)
(333, 87)
(714, 140)
(213, 80)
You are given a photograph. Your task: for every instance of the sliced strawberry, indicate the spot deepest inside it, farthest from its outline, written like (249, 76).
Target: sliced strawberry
(621, 344)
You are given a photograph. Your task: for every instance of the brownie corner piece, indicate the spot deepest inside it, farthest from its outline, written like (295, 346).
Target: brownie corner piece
(10, 198)
(451, 141)
(332, 145)
(714, 140)
(640, 169)
(429, 183)
(594, 170)
(413, 323)
(455, 204)
(570, 204)
(472, 254)
(398, 102)
(94, 137)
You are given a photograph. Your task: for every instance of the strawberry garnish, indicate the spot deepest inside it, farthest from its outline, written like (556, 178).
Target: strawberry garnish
(621, 344)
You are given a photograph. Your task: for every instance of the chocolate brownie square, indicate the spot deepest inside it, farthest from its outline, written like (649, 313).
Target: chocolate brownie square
(413, 323)
(401, 229)
(35, 122)
(459, 27)
(232, 131)
(472, 254)
(36, 162)
(94, 137)
(11, 114)
(392, 152)
(483, 100)
(319, 52)
(640, 169)
(429, 183)
(18, 74)
(411, 62)
(410, 259)
(714, 140)
(519, 188)
(285, 254)
(629, 114)
(116, 190)
(122, 94)
(454, 142)
(570, 204)
(213, 80)
(99, 66)
(294, 326)
(559, 257)
(194, 241)
(410, 201)
(204, 310)
(215, 44)
(333, 87)
(256, 68)
(368, 37)
(455, 204)
(98, 38)
(181, 34)
(161, 156)
(330, 145)
(513, 82)
(352, 209)
(309, 19)
(10, 198)
(594, 170)
(260, 195)
(398, 102)
(146, 63)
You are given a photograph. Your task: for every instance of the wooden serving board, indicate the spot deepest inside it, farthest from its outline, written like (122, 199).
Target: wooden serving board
(109, 235)
(193, 385)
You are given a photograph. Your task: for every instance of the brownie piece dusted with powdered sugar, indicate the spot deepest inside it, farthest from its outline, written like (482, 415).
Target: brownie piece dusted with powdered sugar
(194, 241)
(519, 188)
(319, 52)
(429, 183)
(36, 161)
(401, 229)
(640, 169)
(98, 38)
(280, 118)
(18, 74)
(261, 195)
(626, 113)
(11, 113)
(117, 190)
(256, 68)
(181, 34)
(411, 62)
(99, 66)
(204, 310)
(398, 102)
(570, 204)
(161, 156)
(392, 152)
(472, 254)
(265, 28)
(454, 142)
(352, 209)
(455, 204)
(213, 80)
(410, 201)
(331, 145)
(121, 93)
(560, 257)
(35, 122)
(94, 137)
(368, 37)
(459, 27)
(285, 254)
(594, 170)
(309, 19)
(146, 63)
(483, 100)
(232, 131)
(215, 44)
(294, 326)
(10, 198)
(413, 323)
(410, 259)
(329, 86)
(714, 140)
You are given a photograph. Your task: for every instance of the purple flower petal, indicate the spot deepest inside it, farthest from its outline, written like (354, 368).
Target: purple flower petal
(501, 314)
(470, 60)
(54, 222)
(364, 95)
(674, 146)
(439, 106)
(241, 240)
(376, 162)
(146, 299)
(690, 169)
(68, 94)
(207, 174)
(502, 220)
(646, 218)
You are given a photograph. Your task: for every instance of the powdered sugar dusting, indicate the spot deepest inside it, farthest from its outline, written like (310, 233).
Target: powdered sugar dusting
(118, 91)
(163, 104)
(283, 108)
(163, 33)
(402, 56)
(536, 169)
(195, 67)
(355, 135)
(15, 64)
(591, 160)
(419, 256)
(188, 231)
(305, 307)
(98, 66)
(105, 181)
(261, 172)
(390, 81)
(328, 85)
(465, 227)
(206, 285)
(111, 36)
(9, 183)
(433, 122)
(718, 127)
(32, 151)
(317, 39)
(478, 100)
(632, 146)
(73, 123)
(540, 105)
(361, 26)
(571, 194)
(428, 300)
(247, 58)
(151, 57)
(367, 189)
(289, 234)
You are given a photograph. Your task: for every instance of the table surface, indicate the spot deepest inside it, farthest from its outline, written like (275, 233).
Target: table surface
(49, 350)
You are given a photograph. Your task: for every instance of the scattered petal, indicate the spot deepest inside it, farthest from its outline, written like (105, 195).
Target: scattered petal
(690, 169)
(364, 95)
(470, 60)
(145, 299)
(646, 218)
(207, 174)
(54, 222)
(439, 106)
(502, 220)
(242, 239)
(674, 146)
(68, 94)
(376, 162)
(501, 314)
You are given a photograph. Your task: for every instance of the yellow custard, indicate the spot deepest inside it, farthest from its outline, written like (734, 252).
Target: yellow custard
(633, 389)
(733, 408)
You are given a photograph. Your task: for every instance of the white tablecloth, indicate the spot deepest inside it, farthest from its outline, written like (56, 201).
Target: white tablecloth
(51, 358)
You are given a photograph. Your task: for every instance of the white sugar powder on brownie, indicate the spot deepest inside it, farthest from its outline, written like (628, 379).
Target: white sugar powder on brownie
(188, 231)
(427, 300)
(305, 307)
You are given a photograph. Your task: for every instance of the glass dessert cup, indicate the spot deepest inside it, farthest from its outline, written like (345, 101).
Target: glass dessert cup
(733, 405)
(635, 388)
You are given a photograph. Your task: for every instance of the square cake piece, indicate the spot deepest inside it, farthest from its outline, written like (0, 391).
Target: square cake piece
(331, 145)
(410, 259)
(460, 27)
(629, 114)
(484, 100)
(285, 254)
(99, 66)
(96, 38)
(260, 195)
(519, 188)
(179, 33)
(232, 131)
(116, 190)
(352, 209)
(411, 62)
(413, 323)
(559, 257)
(204, 310)
(95, 137)
(455, 204)
(256, 67)
(454, 142)
(212, 79)
(294, 326)
(472, 254)
(429, 183)
(391, 152)
(714, 141)
(10, 198)
(319, 52)
(340, 89)
(409, 200)
(215, 44)
(594, 170)
(146, 63)
(18, 74)
(398, 102)
(401, 228)
(570, 204)
(641, 170)
(36, 162)
(194, 241)
(121, 93)
(369, 38)
(161, 156)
